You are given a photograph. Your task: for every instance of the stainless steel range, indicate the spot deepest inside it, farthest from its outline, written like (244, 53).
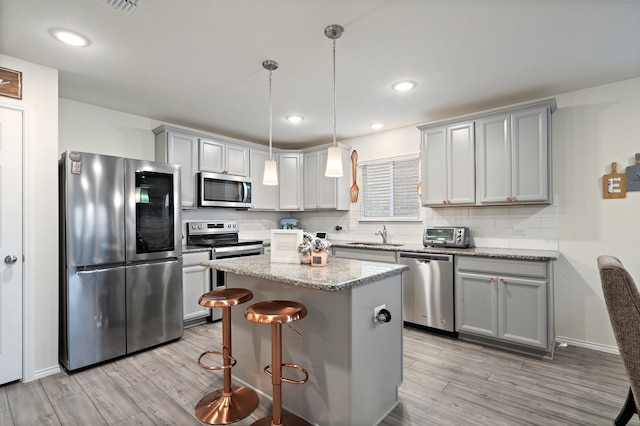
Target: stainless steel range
(222, 238)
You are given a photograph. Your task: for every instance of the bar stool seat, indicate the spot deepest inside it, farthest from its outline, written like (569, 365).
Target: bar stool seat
(276, 313)
(228, 404)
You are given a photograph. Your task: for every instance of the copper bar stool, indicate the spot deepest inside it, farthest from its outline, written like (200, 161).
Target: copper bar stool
(277, 312)
(228, 404)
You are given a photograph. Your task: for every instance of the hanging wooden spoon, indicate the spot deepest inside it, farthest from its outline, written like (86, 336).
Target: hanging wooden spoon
(354, 187)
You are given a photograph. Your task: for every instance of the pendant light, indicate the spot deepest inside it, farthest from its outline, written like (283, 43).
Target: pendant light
(270, 176)
(334, 155)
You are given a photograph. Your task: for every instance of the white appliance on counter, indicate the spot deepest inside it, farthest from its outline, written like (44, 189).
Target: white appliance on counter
(120, 257)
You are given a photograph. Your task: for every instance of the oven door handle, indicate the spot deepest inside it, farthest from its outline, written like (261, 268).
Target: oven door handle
(236, 251)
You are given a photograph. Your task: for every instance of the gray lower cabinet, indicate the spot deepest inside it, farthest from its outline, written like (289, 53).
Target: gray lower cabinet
(508, 303)
(196, 280)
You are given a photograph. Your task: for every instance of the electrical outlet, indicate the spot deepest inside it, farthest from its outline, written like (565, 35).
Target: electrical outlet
(518, 230)
(376, 311)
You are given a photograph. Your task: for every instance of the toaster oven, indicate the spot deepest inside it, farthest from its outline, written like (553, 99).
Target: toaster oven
(446, 236)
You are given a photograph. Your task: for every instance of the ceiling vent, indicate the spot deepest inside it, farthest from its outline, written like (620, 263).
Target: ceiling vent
(126, 6)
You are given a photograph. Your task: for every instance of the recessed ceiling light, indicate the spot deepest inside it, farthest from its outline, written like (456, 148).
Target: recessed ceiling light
(295, 118)
(69, 37)
(377, 126)
(403, 86)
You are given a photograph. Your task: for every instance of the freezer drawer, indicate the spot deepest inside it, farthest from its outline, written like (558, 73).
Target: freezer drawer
(428, 290)
(154, 304)
(93, 327)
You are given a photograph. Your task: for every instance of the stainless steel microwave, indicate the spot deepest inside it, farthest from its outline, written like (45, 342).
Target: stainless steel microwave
(222, 190)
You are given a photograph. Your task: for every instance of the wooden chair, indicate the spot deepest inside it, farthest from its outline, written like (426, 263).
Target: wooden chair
(623, 304)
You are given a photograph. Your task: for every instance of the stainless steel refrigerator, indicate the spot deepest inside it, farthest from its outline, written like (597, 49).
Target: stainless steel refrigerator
(120, 256)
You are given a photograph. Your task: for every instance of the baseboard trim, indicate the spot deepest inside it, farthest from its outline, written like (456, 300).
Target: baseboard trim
(50, 371)
(588, 345)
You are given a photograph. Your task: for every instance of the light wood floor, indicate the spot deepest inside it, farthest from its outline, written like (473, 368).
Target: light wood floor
(446, 382)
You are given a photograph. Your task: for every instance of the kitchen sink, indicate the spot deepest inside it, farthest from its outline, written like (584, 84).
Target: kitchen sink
(375, 244)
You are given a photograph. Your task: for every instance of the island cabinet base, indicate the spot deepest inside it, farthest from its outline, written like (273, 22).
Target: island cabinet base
(354, 364)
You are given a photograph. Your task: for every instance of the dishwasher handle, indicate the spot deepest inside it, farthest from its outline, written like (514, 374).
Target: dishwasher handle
(426, 258)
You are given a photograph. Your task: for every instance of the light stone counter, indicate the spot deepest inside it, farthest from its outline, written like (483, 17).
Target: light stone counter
(338, 275)
(497, 253)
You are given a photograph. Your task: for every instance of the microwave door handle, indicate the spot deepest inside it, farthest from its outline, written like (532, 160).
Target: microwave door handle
(246, 191)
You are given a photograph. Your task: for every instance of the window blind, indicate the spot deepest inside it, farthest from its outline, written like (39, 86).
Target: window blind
(390, 189)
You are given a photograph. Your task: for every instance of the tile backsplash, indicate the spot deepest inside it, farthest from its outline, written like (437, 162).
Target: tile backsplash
(516, 227)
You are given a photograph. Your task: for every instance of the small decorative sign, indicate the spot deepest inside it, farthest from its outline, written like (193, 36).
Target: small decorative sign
(10, 83)
(614, 184)
(284, 244)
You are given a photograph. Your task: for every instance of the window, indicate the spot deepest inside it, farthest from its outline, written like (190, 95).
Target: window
(390, 189)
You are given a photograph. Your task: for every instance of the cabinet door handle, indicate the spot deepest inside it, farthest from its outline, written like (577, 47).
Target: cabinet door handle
(509, 199)
(492, 279)
(502, 280)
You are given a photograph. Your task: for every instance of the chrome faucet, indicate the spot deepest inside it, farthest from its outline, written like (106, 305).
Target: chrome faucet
(383, 234)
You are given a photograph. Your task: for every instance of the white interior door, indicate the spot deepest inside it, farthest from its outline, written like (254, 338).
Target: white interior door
(11, 139)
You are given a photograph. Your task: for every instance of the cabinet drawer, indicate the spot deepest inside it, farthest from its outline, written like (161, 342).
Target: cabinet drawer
(195, 258)
(370, 255)
(522, 268)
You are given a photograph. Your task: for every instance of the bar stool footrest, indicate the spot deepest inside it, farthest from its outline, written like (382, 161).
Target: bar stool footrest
(286, 380)
(220, 367)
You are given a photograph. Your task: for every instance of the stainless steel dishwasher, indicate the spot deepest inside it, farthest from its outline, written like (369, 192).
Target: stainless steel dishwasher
(428, 290)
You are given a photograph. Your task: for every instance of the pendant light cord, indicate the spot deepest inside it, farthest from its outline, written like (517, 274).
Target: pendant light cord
(334, 92)
(270, 117)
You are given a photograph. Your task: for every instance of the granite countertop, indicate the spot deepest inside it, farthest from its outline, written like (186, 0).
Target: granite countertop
(338, 275)
(503, 253)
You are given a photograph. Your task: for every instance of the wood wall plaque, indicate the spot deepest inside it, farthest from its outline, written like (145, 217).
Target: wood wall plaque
(614, 184)
(10, 83)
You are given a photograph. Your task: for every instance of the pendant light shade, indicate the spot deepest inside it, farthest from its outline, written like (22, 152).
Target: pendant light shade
(270, 176)
(334, 157)
(334, 162)
(270, 173)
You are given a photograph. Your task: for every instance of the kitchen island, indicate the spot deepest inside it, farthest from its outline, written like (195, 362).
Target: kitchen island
(354, 363)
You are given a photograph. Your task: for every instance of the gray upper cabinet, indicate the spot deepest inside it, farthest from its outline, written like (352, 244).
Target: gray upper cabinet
(290, 179)
(497, 157)
(263, 197)
(448, 164)
(321, 192)
(180, 147)
(223, 157)
(514, 155)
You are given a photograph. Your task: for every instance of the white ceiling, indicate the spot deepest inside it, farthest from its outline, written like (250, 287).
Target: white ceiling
(198, 63)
